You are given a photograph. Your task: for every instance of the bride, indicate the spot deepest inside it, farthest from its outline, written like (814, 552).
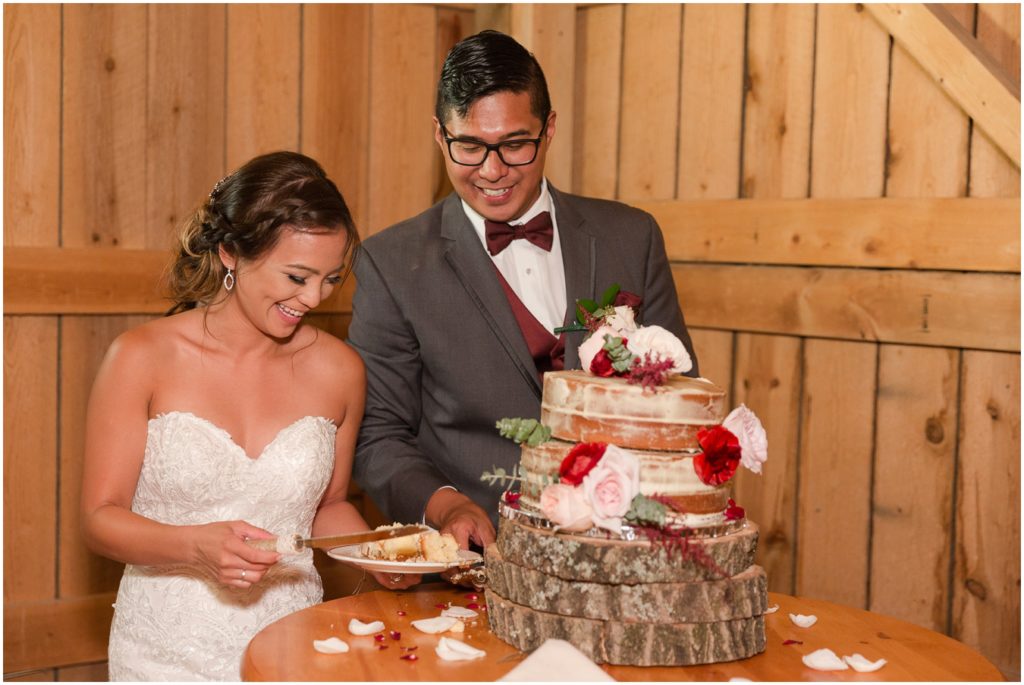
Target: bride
(230, 421)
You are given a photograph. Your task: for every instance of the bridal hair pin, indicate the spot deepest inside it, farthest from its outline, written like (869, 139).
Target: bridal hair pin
(217, 185)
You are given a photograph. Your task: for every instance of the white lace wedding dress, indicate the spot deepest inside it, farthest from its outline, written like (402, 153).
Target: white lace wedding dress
(172, 623)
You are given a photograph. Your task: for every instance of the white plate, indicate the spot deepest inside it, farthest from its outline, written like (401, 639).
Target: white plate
(350, 555)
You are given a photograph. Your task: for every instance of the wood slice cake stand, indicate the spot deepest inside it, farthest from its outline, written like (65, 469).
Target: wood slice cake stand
(628, 602)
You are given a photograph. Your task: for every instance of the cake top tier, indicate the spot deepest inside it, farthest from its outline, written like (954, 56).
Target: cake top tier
(578, 406)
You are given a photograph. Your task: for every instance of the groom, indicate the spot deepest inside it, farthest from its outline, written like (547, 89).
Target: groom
(454, 308)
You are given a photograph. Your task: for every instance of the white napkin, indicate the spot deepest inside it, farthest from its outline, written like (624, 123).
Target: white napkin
(556, 661)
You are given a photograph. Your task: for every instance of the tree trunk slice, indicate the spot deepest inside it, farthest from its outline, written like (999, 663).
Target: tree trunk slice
(741, 596)
(633, 644)
(575, 557)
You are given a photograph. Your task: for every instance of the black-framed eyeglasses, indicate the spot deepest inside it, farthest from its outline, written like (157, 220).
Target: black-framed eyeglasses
(472, 152)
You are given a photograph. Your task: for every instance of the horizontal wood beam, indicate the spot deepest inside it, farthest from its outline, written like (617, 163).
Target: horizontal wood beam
(974, 310)
(960, 65)
(54, 280)
(961, 234)
(56, 632)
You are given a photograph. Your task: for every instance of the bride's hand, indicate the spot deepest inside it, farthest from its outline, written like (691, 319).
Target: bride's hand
(396, 581)
(220, 549)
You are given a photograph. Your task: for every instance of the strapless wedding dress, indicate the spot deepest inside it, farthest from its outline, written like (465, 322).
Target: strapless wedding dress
(175, 623)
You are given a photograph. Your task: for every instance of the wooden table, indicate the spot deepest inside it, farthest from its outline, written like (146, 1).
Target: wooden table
(284, 650)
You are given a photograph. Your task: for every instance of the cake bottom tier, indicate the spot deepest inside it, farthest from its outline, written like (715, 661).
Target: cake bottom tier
(614, 561)
(741, 596)
(628, 643)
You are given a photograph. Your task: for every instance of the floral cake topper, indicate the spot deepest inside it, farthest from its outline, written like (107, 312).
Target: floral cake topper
(619, 346)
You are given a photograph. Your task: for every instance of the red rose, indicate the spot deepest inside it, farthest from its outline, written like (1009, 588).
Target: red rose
(601, 365)
(734, 512)
(579, 461)
(721, 455)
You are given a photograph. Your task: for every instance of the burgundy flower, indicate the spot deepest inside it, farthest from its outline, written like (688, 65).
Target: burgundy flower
(720, 457)
(627, 299)
(579, 461)
(512, 498)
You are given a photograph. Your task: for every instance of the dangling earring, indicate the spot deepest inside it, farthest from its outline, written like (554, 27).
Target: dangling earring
(229, 281)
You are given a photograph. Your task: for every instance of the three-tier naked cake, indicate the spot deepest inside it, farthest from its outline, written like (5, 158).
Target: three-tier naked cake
(622, 538)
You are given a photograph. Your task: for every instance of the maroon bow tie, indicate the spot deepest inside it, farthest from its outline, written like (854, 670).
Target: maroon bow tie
(537, 230)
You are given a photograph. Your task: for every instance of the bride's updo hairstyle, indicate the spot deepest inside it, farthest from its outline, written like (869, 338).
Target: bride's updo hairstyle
(246, 212)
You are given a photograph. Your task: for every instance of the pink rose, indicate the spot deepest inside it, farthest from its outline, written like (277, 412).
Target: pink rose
(592, 346)
(566, 507)
(661, 345)
(611, 486)
(747, 428)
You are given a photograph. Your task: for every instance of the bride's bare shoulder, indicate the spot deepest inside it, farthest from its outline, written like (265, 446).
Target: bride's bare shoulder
(154, 340)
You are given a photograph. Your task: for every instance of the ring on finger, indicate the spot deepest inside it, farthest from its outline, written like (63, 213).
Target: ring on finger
(243, 574)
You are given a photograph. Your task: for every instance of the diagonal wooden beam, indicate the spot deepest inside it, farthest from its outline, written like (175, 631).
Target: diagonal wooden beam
(961, 67)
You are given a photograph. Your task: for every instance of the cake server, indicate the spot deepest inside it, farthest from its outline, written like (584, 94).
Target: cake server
(297, 543)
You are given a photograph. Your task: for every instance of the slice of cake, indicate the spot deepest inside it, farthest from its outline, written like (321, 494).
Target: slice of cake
(429, 546)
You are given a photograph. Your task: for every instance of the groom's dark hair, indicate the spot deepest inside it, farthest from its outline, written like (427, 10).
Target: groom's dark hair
(487, 63)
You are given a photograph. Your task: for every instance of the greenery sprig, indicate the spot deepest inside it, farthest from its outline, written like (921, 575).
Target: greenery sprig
(530, 431)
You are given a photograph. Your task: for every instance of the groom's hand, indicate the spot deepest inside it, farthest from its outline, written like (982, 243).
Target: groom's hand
(452, 512)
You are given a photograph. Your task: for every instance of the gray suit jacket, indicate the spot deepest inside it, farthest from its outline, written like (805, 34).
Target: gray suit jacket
(444, 355)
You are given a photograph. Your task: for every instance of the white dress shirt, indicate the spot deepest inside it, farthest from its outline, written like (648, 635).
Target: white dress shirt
(536, 276)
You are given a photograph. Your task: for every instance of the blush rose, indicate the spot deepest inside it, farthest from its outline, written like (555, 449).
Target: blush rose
(747, 428)
(611, 486)
(566, 506)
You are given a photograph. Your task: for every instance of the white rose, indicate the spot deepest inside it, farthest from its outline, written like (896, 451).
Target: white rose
(661, 345)
(623, 321)
(611, 486)
(747, 428)
(592, 345)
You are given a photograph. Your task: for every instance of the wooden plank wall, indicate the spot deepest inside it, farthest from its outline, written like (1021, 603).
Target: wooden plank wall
(867, 355)
(117, 120)
(845, 241)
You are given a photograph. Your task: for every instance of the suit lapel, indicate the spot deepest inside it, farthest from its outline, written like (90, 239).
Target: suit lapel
(475, 271)
(578, 256)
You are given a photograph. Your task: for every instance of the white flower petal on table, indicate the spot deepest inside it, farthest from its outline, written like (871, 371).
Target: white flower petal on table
(803, 621)
(824, 660)
(434, 625)
(450, 649)
(459, 612)
(862, 665)
(332, 645)
(357, 627)
(772, 609)
(737, 679)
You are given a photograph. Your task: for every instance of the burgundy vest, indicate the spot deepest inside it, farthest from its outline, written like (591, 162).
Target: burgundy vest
(548, 352)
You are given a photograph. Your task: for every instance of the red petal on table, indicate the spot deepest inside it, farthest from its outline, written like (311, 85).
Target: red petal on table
(410, 649)
(472, 597)
(472, 605)
(378, 637)
(409, 657)
(792, 642)
(395, 635)
(401, 613)
(440, 606)
(382, 646)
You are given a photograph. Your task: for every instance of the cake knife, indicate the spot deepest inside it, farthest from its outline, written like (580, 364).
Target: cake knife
(297, 543)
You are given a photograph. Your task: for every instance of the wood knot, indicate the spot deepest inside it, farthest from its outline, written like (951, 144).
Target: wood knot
(773, 383)
(776, 537)
(795, 239)
(96, 237)
(883, 636)
(993, 410)
(976, 588)
(109, 64)
(934, 431)
(859, 7)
